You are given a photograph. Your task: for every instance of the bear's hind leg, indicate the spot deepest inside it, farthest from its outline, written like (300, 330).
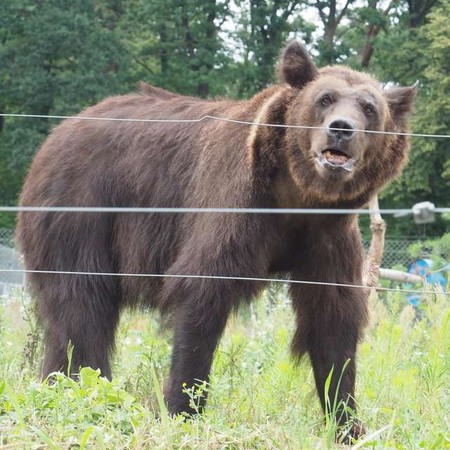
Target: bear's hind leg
(196, 334)
(200, 317)
(81, 325)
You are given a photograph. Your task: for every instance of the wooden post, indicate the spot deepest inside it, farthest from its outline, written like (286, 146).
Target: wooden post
(401, 277)
(375, 254)
(373, 271)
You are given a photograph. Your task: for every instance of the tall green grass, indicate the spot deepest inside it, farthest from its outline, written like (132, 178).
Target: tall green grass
(258, 399)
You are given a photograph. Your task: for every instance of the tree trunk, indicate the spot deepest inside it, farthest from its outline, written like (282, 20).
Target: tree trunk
(202, 90)
(210, 33)
(418, 9)
(331, 19)
(372, 33)
(367, 52)
(164, 57)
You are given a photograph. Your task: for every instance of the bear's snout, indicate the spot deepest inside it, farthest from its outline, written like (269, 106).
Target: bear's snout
(341, 129)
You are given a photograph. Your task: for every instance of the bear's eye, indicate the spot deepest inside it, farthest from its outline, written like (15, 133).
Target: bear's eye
(369, 110)
(326, 100)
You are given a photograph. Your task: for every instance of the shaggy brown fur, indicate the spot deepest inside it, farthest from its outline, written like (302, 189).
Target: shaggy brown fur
(212, 164)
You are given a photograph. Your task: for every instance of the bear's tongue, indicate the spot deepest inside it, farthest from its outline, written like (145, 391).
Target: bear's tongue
(335, 157)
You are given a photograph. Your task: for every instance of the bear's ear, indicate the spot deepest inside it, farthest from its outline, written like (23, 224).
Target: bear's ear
(400, 101)
(295, 66)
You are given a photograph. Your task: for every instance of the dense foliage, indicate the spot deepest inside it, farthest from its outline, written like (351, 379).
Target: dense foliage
(258, 399)
(58, 56)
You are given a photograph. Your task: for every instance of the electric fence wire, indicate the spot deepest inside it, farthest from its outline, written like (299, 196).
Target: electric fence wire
(106, 209)
(222, 277)
(222, 119)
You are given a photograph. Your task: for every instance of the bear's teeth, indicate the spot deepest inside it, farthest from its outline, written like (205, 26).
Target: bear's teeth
(335, 158)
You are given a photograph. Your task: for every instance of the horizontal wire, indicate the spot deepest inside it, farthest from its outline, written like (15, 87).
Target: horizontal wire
(222, 119)
(106, 209)
(218, 277)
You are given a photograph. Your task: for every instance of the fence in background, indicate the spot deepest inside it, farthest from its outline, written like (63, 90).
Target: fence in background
(7, 237)
(395, 252)
(9, 259)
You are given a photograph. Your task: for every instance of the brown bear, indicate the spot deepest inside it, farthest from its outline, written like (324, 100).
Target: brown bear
(212, 164)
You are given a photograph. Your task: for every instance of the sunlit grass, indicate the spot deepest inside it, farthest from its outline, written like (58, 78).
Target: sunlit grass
(257, 398)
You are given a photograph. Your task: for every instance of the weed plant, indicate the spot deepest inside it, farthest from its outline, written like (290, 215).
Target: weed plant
(258, 397)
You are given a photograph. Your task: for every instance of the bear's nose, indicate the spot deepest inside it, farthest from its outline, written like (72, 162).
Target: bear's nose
(346, 129)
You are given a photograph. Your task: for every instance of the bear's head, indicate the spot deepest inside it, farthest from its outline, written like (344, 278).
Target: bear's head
(340, 149)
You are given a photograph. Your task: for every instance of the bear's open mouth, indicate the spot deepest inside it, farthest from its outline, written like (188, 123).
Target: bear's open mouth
(333, 158)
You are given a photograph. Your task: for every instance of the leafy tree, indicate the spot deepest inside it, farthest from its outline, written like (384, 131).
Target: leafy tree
(425, 56)
(376, 18)
(182, 48)
(330, 46)
(56, 57)
(263, 27)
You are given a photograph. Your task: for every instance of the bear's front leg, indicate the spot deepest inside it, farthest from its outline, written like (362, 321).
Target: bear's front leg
(331, 318)
(329, 324)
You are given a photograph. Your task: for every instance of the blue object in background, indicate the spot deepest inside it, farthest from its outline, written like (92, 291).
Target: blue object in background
(423, 268)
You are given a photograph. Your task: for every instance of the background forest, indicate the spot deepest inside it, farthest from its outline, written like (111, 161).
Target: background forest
(58, 56)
